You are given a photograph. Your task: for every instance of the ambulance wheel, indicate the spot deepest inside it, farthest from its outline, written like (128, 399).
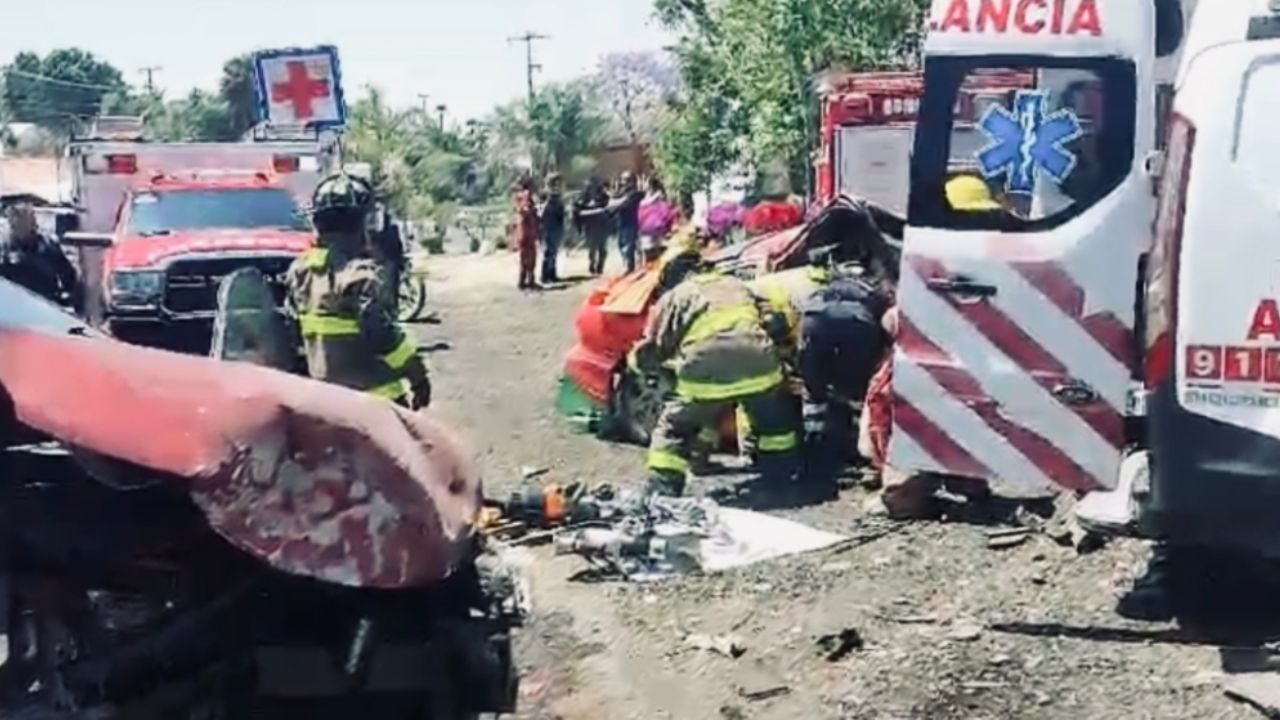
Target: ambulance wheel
(413, 297)
(639, 404)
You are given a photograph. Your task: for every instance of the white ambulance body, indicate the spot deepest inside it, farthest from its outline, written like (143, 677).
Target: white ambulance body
(1017, 350)
(1212, 350)
(104, 170)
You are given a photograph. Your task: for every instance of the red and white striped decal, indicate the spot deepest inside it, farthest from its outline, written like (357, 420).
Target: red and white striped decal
(974, 381)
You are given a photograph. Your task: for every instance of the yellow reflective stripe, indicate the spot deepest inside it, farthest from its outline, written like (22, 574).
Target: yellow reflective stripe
(777, 443)
(707, 278)
(721, 320)
(667, 460)
(318, 325)
(316, 258)
(391, 391)
(727, 391)
(820, 275)
(743, 421)
(398, 358)
(780, 301)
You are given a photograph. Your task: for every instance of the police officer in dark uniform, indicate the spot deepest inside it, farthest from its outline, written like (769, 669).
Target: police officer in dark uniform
(842, 342)
(29, 259)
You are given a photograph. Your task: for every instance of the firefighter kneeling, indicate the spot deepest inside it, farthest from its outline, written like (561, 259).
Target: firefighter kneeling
(344, 308)
(708, 328)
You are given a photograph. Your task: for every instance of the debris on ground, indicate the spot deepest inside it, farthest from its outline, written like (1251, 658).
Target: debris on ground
(965, 631)
(757, 681)
(838, 646)
(1007, 538)
(726, 645)
(1259, 689)
(651, 537)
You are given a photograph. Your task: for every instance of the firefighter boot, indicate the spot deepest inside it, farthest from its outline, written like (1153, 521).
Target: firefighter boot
(666, 483)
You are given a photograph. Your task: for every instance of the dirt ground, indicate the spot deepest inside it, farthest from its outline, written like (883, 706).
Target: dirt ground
(949, 627)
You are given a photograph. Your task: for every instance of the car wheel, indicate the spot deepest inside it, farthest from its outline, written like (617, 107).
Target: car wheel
(639, 403)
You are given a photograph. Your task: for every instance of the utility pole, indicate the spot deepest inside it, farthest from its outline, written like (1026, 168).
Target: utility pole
(150, 72)
(528, 39)
(423, 98)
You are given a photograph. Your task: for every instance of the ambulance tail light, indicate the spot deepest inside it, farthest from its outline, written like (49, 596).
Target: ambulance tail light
(122, 164)
(1160, 358)
(284, 164)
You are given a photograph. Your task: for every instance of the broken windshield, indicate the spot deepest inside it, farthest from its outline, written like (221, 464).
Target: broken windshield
(176, 211)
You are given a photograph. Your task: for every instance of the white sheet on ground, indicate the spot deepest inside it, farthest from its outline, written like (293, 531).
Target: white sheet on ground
(743, 537)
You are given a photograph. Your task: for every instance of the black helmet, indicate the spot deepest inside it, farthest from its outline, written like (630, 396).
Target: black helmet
(343, 194)
(677, 269)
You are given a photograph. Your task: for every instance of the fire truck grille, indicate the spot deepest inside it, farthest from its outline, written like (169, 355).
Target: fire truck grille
(191, 286)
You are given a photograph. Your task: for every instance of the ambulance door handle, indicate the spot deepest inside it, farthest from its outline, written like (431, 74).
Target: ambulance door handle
(1076, 393)
(962, 286)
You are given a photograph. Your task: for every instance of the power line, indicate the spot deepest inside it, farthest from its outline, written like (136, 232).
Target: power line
(55, 81)
(528, 39)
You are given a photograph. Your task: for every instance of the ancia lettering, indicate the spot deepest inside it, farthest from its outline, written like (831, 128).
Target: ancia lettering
(1029, 17)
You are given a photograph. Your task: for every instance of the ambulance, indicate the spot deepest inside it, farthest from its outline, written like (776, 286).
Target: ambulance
(161, 223)
(1209, 474)
(1030, 277)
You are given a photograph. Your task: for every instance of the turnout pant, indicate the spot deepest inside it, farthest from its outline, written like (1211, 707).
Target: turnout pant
(675, 439)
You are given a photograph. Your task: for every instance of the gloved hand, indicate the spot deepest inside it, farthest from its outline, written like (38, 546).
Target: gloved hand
(420, 394)
(815, 422)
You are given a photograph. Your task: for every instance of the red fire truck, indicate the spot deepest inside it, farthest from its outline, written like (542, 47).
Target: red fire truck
(868, 126)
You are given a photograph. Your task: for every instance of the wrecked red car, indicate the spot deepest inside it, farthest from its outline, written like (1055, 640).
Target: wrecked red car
(184, 535)
(597, 390)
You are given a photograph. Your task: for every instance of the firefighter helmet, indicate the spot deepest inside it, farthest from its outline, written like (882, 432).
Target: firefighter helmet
(343, 194)
(678, 267)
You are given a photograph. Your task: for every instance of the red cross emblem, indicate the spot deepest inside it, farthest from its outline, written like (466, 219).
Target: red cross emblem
(300, 90)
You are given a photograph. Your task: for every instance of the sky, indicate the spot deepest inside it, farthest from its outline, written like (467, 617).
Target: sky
(455, 51)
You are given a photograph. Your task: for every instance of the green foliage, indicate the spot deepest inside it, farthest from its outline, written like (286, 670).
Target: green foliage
(563, 128)
(420, 170)
(238, 89)
(748, 68)
(58, 89)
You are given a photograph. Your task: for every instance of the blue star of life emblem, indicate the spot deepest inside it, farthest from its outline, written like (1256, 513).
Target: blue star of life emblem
(1025, 140)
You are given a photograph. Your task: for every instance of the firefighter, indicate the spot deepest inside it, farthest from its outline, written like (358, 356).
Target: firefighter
(708, 327)
(781, 298)
(31, 260)
(346, 317)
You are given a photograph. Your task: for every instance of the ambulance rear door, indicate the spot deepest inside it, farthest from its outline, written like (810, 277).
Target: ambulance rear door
(1018, 289)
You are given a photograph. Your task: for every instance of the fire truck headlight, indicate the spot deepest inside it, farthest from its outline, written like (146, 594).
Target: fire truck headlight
(136, 288)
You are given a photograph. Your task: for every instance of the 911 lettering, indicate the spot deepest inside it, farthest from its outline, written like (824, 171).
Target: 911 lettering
(1026, 17)
(1255, 363)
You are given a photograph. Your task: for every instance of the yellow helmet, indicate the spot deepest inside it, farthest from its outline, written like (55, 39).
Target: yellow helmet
(967, 193)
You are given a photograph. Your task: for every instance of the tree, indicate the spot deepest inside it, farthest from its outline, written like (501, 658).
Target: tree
(564, 125)
(762, 56)
(56, 90)
(636, 86)
(238, 89)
